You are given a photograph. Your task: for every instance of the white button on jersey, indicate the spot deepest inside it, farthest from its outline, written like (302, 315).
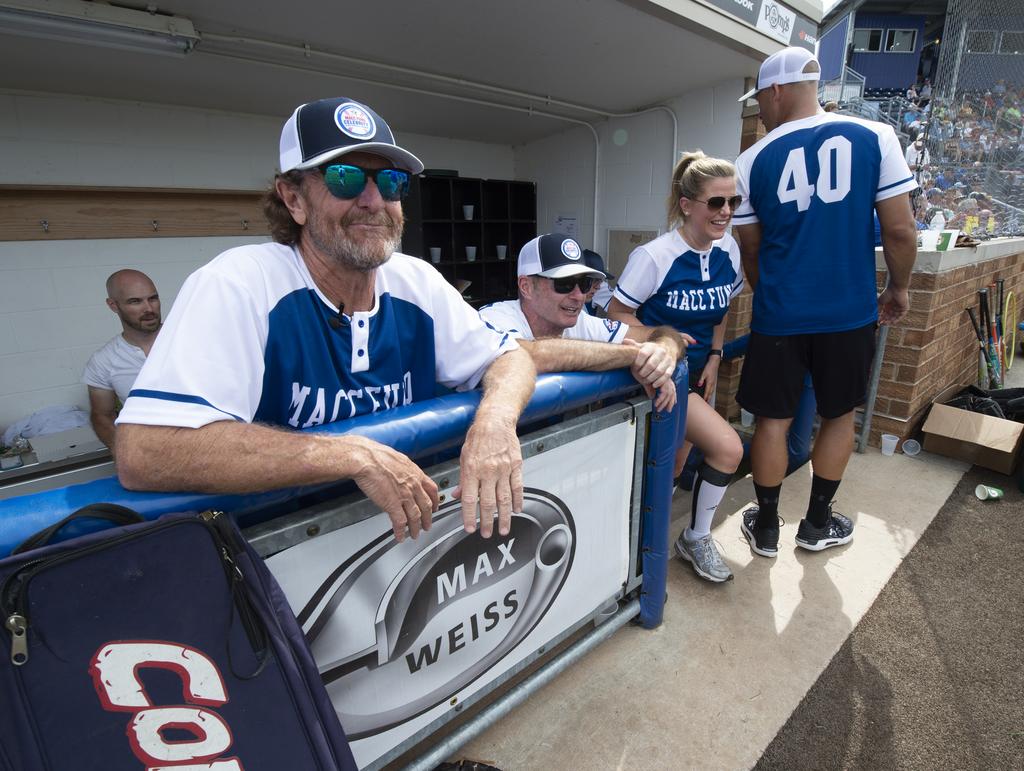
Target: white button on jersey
(361, 339)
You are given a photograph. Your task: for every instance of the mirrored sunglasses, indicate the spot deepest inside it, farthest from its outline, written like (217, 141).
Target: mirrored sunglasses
(346, 182)
(718, 202)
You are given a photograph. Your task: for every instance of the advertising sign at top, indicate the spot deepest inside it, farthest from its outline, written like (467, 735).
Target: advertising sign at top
(773, 19)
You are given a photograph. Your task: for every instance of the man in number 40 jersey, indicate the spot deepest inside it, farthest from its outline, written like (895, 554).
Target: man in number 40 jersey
(806, 239)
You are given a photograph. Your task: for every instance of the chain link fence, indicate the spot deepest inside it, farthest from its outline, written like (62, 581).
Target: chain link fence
(963, 134)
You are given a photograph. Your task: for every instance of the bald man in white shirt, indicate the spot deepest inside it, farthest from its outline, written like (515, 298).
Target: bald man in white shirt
(112, 370)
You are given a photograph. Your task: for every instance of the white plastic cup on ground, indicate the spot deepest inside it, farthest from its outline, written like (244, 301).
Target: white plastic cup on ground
(987, 493)
(467, 211)
(502, 251)
(911, 447)
(746, 418)
(471, 253)
(435, 254)
(889, 443)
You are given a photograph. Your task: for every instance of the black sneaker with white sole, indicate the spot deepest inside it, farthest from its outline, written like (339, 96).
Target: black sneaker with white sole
(762, 540)
(836, 532)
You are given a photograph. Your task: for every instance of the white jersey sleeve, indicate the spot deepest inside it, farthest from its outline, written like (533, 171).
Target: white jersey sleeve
(894, 176)
(639, 279)
(507, 316)
(744, 214)
(220, 329)
(464, 346)
(589, 327)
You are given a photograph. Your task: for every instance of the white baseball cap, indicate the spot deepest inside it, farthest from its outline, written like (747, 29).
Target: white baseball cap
(782, 67)
(554, 255)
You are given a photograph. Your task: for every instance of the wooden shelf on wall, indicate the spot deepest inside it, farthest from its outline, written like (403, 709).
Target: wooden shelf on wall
(116, 212)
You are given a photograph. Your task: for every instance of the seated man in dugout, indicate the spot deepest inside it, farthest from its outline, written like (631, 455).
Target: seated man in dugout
(549, 321)
(326, 323)
(111, 371)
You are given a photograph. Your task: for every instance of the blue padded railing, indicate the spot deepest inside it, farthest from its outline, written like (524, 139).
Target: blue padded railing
(417, 430)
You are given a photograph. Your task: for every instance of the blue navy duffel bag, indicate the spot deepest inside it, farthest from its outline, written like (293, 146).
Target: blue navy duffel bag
(156, 645)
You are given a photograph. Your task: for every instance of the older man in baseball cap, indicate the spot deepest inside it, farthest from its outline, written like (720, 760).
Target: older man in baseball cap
(326, 323)
(549, 321)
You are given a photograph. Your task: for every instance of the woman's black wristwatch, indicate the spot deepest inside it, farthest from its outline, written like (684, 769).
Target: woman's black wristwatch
(715, 352)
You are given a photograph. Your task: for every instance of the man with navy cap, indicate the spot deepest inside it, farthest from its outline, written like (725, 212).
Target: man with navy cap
(805, 227)
(600, 293)
(549, 321)
(326, 323)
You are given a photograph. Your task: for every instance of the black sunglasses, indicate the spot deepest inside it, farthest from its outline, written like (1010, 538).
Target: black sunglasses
(718, 202)
(567, 284)
(346, 182)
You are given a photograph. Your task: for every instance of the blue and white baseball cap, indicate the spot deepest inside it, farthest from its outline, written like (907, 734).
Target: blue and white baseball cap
(554, 255)
(321, 131)
(782, 67)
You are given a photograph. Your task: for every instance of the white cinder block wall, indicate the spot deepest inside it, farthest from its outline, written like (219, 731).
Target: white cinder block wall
(52, 315)
(52, 311)
(635, 162)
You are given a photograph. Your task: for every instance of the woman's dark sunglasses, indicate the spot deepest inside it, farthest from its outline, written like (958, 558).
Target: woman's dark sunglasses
(567, 284)
(347, 182)
(718, 202)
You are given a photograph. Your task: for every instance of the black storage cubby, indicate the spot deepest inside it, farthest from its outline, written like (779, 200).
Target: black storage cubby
(495, 200)
(504, 214)
(522, 201)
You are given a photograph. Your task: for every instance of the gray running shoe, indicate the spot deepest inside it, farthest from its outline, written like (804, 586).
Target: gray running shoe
(703, 555)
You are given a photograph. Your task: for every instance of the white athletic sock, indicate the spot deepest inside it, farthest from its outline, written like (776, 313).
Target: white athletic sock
(706, 497)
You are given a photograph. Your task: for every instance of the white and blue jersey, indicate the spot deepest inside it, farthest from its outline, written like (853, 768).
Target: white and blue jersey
(507, 316)
(250, 338)
(672, 284)
(813, 184)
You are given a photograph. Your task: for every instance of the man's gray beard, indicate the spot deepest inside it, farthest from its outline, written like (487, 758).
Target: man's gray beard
(362, 255)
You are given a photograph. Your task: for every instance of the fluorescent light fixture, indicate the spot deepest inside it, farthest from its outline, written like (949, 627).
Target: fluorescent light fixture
(78, 21)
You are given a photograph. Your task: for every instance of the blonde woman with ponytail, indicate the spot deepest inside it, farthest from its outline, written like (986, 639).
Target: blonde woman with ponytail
(684, 279)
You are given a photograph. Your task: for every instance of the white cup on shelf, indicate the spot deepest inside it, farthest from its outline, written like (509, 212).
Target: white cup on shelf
(435, 254)
(471, 253)
(502, 251)
(467, 211)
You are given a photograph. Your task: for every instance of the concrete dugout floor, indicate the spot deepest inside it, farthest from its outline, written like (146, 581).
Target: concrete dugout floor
(712, 686)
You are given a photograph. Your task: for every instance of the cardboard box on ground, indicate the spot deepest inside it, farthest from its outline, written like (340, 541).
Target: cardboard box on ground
(990, 442)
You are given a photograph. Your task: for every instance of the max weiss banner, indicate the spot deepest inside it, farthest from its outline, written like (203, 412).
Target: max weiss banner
(402, 632)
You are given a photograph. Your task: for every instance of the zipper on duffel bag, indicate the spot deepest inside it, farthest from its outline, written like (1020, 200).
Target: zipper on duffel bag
(14, 590)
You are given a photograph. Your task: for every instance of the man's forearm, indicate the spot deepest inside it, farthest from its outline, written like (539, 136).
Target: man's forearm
(899, 239)
(231, 457)
(669, 339)
(557, 354)
(103, 425)
(508, 385)
(899, 249)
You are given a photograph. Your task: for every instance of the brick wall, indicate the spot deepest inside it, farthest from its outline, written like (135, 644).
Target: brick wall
(932, 348)
(935, 345)
(738, 322)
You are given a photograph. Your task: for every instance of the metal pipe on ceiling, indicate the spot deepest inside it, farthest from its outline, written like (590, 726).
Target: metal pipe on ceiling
(305, 52)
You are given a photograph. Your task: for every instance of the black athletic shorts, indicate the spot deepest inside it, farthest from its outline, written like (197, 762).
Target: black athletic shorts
(839, 362)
